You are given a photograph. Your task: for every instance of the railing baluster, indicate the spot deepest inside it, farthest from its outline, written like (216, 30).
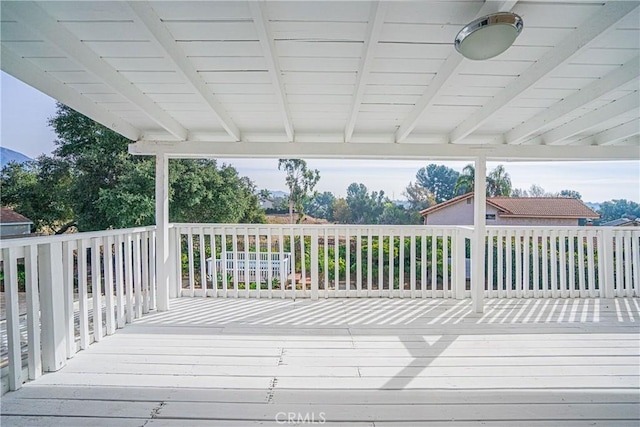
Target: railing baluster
(270, 264)
(380, 261)
(369, 261)
(152, 267)
(347, 263)
(137, 281)
(536, 239)
(445, 264)
(359, 262)
(401, 265)
(120, 315)
(336, 260)
(303, 263)
(128, 276)
(203, 261)
(259, 263)
(562, 247)
(83, 300)
(68, 278)
(434, 263)
(34, 357)
(572, 264)
(192, 284)
(627, 263)
(424, 264)
(108, 285)
(591, 264)
(96, 291)
(145, 271)
(412, 255)
(10, 260)
(635, 262)
(518, 262)
(392, 248)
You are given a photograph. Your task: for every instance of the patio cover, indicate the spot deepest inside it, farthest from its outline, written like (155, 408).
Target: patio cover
(337, 79)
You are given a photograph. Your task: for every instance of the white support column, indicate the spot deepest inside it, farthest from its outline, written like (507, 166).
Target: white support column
(479, 231)
(162, 232)
(52, 311)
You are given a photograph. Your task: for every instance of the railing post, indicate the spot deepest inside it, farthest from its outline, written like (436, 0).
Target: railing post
(606, 254)
(52, 308)
(314, 264)
(162, 232)
(479, 234)
(459, 265)
(174, 259)
(9, 259)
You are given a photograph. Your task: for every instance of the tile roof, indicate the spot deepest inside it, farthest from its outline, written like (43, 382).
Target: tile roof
(9, 216)
(529, 207)
(538, 207)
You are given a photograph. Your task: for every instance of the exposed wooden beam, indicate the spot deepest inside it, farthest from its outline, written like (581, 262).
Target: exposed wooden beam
(24, 70)
(618, 133)
(610, 111)
(445, 73)
(600, 22)
(265, 35)
(168, 44)
(374, 28)
(38, 21)
(600, 87)
(204, 149)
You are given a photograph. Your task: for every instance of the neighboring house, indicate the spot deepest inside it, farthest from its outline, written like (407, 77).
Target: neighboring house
(552, 211)
(13, 224)
(621, 222)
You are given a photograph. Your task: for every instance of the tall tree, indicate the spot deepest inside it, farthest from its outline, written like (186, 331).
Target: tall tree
(620, 208)
(365, 207)
(571, 194)
(466, 180)
(105, 187)
(419, 198)
(341, 212)
(39, 190)
(498, 182)
(321, 205)
(439, 180)
(301, 182)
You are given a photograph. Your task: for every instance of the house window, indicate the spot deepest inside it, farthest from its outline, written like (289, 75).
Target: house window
(468, 201)
(491, 216)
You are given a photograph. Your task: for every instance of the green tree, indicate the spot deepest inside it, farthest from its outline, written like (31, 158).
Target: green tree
(365, 208)
(618, 208)
(394, 214)
(439, 180)
(466, 180)
(39, 190)
(92, 181)
(341, 212)
(419, 198)
(321, 205)
(498, 182)
(300, 181)
(571, 194)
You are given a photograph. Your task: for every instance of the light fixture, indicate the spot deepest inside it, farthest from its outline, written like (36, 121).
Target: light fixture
(488, 36)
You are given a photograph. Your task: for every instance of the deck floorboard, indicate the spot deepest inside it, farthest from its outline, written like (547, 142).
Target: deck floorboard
(351, 362)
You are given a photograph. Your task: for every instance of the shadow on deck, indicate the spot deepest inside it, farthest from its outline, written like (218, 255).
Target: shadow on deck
(361, 362)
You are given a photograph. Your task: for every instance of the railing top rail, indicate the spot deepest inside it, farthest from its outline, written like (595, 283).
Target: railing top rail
(322, 226)
(28, 241)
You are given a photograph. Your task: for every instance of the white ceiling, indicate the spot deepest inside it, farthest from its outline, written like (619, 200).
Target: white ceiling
(337, 79)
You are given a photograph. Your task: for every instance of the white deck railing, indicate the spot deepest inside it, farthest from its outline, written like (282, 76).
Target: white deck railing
(326, 261)
(77, 289)
(552, 262)
(80, 287)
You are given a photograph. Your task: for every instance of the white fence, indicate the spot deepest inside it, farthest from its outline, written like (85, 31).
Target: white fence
(259, 266)
(72, 290)
(562, 262)
(326, 261)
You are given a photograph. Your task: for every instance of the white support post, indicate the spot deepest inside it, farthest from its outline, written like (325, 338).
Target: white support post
(52, 309)
(163, 269)
(459, 265)
(314, 263)
(479, 231)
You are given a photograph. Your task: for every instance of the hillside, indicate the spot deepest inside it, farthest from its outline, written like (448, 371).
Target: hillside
(7, 156)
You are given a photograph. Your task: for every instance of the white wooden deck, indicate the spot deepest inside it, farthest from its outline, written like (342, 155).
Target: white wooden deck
(361, 362)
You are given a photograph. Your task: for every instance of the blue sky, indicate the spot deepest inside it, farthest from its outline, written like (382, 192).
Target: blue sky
(25, 111)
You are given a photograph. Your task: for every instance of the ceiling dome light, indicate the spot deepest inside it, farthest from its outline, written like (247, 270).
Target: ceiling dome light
(488, 36)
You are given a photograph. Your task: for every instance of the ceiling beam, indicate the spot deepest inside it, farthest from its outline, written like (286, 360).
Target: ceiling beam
(444, 74)
(593, 118)
(374, 28)
(161, 35)
(204, 149)
(600, 87)
(25, 70)
(618, 133)
(38, 21)
(265, 35)
(600, 22)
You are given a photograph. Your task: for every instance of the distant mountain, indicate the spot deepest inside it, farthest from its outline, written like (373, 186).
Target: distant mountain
(7, 156)
(277, 194)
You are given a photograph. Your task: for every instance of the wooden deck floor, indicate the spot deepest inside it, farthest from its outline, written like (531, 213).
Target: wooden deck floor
(361, 362)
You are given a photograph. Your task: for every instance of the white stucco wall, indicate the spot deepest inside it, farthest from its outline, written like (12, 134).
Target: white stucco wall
(461, 213)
